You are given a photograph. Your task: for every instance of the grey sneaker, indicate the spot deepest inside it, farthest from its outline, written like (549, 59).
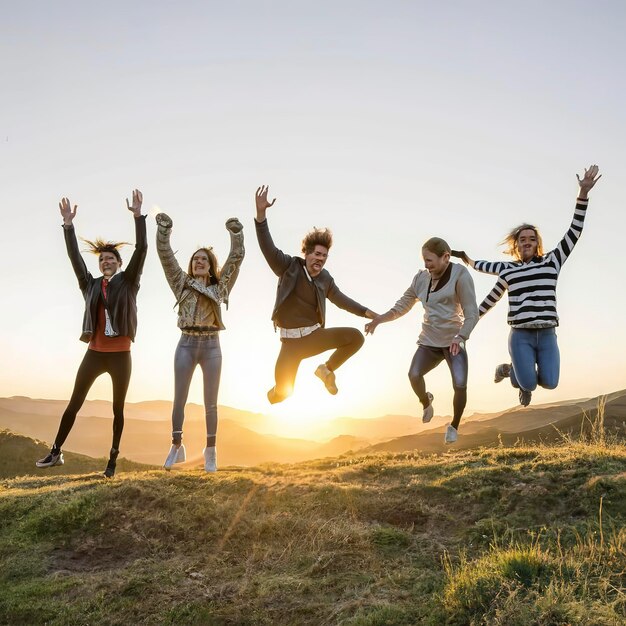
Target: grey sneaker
(502, 371)
(51, 459)
(452, 434)
(327, 377)
(525, 397)
(175, 455)
(210, 459)
(429, 411)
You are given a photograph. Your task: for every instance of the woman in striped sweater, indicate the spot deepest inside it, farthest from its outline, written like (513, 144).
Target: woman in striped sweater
(530, 280)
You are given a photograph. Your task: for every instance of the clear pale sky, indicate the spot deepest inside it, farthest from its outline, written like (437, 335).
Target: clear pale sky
(388, 122)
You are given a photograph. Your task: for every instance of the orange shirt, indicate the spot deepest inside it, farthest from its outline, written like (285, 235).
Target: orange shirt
(99, 341)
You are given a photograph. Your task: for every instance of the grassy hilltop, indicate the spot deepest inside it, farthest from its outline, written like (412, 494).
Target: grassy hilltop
(494, 536)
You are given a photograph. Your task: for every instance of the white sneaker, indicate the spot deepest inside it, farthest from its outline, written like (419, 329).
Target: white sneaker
(210, 459)
(452, 434)
(429, 411)
(176, 455)
(328, 378)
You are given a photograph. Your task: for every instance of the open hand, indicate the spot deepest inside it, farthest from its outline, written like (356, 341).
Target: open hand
(65, 206)
(135, 207)
(589, 179)
(262, 203)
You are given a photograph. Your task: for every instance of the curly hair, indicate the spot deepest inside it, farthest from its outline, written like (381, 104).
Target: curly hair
(510, 241)
(97, 246)
(317, 237)
(214, 268)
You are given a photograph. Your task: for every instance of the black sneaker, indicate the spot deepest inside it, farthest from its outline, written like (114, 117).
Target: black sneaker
(52, 459)
(525, 397)
(109, 471)
(502, 371)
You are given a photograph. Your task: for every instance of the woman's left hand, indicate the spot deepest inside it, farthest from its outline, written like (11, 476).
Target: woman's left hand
(458, 343)
(589, 179)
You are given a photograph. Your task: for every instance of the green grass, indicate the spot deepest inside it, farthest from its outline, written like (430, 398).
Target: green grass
(497, 537)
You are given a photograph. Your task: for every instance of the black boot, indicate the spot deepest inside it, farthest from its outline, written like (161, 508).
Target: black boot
(109, 472)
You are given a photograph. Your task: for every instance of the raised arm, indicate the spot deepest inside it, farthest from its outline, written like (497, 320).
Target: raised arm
(173, 272)
(78, 264)
(276, 259)
(137, 260)
(230, 270)
(571, 237)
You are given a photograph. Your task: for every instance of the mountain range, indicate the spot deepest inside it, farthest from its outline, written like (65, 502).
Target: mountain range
(247, 438)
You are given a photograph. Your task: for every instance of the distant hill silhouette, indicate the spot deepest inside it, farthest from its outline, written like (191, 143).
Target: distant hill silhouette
(245, 438)
(543, 423)
(18, 455)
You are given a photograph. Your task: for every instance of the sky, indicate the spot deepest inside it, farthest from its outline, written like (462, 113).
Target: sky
(387, 122)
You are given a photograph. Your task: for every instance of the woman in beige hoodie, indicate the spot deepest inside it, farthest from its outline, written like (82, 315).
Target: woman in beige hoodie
(446, 290)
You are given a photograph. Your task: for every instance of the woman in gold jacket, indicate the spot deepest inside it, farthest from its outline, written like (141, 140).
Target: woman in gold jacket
(199, 294)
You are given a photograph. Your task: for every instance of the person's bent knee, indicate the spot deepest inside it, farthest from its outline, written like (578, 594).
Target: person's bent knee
(549, 384)
(356, 337)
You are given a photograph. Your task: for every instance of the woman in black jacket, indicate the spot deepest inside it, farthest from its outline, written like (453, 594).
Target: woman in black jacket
(109, 324)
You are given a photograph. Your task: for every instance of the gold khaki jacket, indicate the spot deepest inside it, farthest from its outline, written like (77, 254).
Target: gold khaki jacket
(188, 290)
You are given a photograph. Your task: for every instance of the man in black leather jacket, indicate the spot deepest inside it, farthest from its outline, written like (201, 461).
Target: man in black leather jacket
(300, 307)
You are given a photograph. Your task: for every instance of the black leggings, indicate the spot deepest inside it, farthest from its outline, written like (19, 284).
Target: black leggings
(426, 359)
(345, 341)
(118, 365)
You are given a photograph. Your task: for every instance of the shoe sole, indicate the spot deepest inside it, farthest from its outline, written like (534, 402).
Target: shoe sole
(57, 462)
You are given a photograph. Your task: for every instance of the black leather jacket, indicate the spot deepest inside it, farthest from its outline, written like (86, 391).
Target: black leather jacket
(122, 291)
(287, 268)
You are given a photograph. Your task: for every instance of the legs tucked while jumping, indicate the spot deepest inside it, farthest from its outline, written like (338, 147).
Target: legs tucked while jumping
(345, 341)
(535, 360)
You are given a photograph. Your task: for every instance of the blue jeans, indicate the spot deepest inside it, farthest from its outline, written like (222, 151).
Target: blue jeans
(535, 358)
(190, 352)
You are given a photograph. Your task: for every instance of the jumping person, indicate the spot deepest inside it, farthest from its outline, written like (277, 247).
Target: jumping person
(109, 324)
(446, 291)
(199, 293)
(530, 281)
(300, 307)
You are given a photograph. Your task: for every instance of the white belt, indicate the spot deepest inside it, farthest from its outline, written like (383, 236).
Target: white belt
(296, 333)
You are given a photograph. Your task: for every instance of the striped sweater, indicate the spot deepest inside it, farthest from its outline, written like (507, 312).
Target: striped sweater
(532, 285)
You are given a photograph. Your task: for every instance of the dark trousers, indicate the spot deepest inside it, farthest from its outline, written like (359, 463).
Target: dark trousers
(118, 365)
(345, 342)
(426, 359)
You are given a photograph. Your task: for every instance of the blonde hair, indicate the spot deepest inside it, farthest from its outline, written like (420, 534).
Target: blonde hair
(510, 241)
(97, 246)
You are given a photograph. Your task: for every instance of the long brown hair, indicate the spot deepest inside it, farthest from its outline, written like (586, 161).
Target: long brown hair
(214, 268)
(510, 241)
